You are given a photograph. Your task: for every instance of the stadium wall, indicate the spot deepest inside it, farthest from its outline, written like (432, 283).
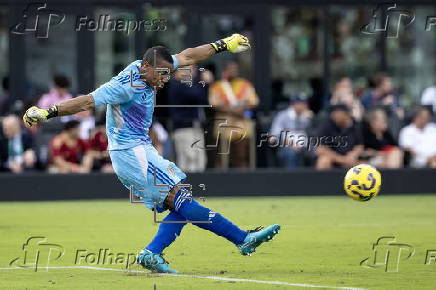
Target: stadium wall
(42, 186)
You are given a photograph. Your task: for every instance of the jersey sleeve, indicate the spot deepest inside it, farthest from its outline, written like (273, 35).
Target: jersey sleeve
(112, 93)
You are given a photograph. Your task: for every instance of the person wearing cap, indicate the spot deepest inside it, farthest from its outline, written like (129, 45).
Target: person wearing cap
(340, 140)
(292, 124)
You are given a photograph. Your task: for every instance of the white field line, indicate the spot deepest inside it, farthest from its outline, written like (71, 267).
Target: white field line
(194, 276)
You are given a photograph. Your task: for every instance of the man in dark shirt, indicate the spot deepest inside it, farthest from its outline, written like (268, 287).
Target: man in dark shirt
(187, 120)
(16, 146)
(340, 140)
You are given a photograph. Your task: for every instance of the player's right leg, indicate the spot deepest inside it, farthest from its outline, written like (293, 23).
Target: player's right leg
(134, 171)
(247, 241)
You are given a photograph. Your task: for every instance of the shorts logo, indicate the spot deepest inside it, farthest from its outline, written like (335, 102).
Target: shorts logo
(171, 171)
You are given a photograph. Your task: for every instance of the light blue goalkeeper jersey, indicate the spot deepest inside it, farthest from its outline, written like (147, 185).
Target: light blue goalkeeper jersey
(130, 105)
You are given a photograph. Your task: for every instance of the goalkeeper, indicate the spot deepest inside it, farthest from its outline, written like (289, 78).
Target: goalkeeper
(129, 100)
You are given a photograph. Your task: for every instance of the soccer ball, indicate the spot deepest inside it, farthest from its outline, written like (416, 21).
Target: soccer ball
(362, 182)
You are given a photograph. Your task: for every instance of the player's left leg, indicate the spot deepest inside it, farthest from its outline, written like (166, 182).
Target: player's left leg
(169, 229)
(151, 257)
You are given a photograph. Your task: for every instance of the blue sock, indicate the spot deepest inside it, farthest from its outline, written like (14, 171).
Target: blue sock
(167, 233)
(191, 210)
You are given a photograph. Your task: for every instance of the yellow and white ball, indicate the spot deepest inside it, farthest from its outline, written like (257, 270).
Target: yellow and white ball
(362, 182)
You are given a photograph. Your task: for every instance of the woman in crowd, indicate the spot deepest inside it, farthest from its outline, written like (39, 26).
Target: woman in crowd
(381, 148)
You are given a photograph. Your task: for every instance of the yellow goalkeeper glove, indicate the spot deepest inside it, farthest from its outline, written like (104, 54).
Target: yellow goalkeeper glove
(235, 44)
(35, 115)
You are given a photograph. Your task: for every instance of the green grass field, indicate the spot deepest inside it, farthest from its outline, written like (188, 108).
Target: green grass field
(322, 242)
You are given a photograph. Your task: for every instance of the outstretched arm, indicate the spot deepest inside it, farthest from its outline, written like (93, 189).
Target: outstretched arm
(76, 105)
(35, 115)
(195, 55)
(235, 44)
(116, 94)
(111, 92)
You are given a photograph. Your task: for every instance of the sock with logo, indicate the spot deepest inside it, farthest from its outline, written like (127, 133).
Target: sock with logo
(191, 210)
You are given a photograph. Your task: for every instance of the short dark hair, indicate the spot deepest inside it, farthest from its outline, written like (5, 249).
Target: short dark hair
(61, 81)
(379, 78)
(372, 113)
(71, 125)
(160, 52)
(420, 109)
(339, 107)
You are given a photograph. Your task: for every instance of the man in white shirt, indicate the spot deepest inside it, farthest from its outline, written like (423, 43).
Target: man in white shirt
(291, 124)
(419, 138)
(429, 97)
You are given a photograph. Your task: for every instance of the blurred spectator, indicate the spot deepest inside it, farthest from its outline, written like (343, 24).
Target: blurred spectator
(233, 98)
(159, 137)
(292, 124)
(428, 97)
(87, 123)
(419, 139)
(380, 146)
(340, 140)
(69, 153)
(383, 94)
(5, 98)
(98, 146)
(16, 147)
(343, 94)
(187, 121)
(57, 94)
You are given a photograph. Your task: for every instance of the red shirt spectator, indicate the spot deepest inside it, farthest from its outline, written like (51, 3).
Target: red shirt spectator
(99, 141)
(69, 153)
(98, 145)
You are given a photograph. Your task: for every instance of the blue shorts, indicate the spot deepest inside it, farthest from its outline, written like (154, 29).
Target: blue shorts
(151, 176)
